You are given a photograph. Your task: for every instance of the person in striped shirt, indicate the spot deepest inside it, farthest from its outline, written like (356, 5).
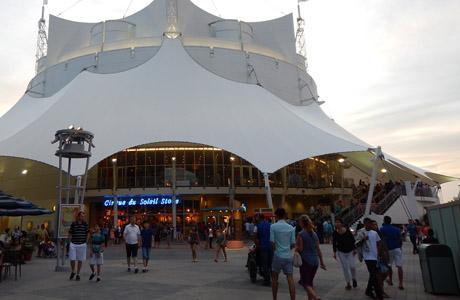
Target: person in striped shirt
(78, 235)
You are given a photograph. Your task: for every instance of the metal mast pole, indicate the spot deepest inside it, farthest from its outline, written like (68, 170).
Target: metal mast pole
(42, 39)
(300, 34)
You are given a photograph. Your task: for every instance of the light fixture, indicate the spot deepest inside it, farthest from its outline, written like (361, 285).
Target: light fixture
(341, 160)
(71, 127)
(24, 172)
(173, 158)
(232, 158)
(114, 160)
(383, 170)
(79, 128)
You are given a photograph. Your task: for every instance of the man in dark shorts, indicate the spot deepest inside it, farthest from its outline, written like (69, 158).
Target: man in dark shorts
(131, 234)
(78, 234)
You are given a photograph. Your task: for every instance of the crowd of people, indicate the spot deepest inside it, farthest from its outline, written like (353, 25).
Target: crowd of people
(281, 246)
(378, 248)
(36, 238)
(136, 236)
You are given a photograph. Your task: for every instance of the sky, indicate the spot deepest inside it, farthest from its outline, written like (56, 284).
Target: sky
(389, 70)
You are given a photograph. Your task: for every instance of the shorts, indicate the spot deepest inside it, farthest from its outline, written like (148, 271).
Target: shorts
(131, 250)
(395, 257)
(77, 252)
(97, 259)
(285, 264)
(145, 252)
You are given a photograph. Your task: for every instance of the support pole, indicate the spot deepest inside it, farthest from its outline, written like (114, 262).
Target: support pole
(268, 191)
(378, 154)
(76, 199)
(85, 178)
(58, 209)
(69, 166)
(174, 206)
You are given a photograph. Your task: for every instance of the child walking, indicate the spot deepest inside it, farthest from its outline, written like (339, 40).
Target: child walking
(146, 235)
(96, 252)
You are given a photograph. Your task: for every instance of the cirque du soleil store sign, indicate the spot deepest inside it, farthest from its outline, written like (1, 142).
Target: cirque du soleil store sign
(140, 200)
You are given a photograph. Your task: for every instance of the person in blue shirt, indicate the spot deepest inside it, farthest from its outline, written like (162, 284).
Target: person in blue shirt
(282, 238)
(412, 230)
(264, 247)
(392, 238)
(146, 237)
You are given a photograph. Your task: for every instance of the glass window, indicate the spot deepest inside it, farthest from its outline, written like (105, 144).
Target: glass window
(140, 176)
(150, 176)
(150, 158)
(131, 158)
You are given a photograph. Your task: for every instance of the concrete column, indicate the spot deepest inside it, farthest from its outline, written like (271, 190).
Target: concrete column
(378, 153)
(268, 191)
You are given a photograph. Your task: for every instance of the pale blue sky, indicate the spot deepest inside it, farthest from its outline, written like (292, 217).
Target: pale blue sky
(389, 70)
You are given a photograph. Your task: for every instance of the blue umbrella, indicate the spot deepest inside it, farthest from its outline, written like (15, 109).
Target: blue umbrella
(11, 206)
(19, 212)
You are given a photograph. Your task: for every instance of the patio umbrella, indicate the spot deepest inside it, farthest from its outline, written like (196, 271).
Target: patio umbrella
(15, 207)
(19, 212)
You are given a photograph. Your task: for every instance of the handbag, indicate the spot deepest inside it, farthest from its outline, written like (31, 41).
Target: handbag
(382, 267)
(297, 260)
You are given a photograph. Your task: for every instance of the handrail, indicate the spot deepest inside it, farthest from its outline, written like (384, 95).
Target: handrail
(388, 200)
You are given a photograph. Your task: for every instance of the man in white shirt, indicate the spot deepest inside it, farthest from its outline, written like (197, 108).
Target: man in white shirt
(131, 234)
(369, 241)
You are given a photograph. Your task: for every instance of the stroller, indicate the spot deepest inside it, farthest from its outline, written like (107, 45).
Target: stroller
(252, 263)
(48, 249)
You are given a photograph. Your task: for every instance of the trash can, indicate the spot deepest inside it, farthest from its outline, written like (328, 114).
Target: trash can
(438, 269)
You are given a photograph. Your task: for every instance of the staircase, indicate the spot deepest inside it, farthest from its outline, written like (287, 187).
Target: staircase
(352, 215)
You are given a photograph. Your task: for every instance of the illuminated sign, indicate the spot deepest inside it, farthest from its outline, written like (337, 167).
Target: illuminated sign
(140, 200)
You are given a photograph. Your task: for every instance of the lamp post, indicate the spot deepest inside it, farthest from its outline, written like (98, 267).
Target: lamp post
(73, 143)
(232, 182)
(114, 193)
(174, 206)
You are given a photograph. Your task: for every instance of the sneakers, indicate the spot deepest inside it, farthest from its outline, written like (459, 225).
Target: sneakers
(77, 278)
(92, 276)
(129, 269)
(136, 270)
(348, 287)
(370, 294)
(72, 275)
(355, 284)
(98, 279)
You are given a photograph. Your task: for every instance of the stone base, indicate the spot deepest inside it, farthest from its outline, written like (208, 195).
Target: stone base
(235, 244)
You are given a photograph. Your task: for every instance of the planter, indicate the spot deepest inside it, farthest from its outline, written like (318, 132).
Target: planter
(27, 253)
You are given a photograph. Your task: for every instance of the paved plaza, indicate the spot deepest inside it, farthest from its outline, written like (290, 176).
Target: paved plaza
(174, 276)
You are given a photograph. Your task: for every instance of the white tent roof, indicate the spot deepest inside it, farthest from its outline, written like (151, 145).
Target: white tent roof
(172, 98)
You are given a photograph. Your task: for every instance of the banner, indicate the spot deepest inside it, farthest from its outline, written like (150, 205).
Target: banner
(67, 214)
